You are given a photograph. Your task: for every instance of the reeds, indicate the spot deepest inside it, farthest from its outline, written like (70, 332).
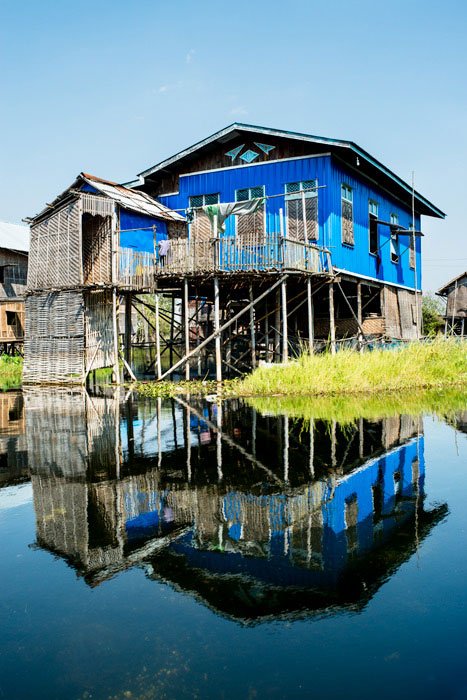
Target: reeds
(437, 364)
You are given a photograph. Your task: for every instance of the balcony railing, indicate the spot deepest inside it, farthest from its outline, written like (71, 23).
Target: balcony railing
(227, 255)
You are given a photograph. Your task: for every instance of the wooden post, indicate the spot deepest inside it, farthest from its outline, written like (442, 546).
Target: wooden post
(359, 316)
(186, 323)
(285, 342)
(158, 336)
(216, 328)
(252, 330)
(266, 332)
(116, 367)
(277, 326)
(172, 329)
(332, 321)
(310, 316)
(127, 346)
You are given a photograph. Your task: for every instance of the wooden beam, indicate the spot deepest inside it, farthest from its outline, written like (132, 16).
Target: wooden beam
(332, 320)
(217, 331)
(285, 340)
(186, 325)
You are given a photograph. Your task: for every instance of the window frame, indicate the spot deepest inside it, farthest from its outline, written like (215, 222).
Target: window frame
(394, 244)
(372, 216)
(249, 189)
(347, 197)
(204, 203)
(307, 193)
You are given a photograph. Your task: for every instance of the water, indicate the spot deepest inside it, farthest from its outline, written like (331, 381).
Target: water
(158, 549)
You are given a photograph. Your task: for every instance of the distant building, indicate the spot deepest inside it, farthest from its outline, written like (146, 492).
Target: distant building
(14, 246)
(455, 293)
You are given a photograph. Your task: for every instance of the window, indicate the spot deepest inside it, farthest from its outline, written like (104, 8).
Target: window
(200, 227)
(411, 248)
(373, 226)
(251, 226)
(302, 221)
(347, 215)
(394, 242)
(11, 318)
(202, 200)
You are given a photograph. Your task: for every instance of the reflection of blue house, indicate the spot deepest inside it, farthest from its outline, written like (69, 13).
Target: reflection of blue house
(317, 553)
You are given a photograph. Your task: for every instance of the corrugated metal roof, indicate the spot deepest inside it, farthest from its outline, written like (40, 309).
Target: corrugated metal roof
(132, 199)
(445, 289)
(345, 149)
(14, 236)
(124, 196)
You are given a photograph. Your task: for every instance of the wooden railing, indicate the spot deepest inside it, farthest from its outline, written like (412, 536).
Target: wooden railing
(227, 254)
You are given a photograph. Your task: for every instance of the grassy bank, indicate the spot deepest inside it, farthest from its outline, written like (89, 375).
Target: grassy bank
(439, 364)
(10, 372)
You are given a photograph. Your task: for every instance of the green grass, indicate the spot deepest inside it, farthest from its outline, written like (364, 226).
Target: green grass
(346, 409)
(435, 365)
(11, 369)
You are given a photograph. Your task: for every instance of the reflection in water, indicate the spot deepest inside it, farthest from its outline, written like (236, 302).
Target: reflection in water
(256, 515)
(13, 449)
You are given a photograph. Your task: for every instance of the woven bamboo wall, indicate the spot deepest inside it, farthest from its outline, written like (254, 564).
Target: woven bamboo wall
(54, 339)
(99, 341)
(408, 314)
(55, 250)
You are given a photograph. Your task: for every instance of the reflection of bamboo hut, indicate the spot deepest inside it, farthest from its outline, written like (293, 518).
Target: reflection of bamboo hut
(13, 448)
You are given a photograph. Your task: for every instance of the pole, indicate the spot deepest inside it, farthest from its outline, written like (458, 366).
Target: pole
(158, 336)
(310, 316)
(359, 317)
(128, 328)
(332, 322)
(277, 326)
(217, 331)
(186, 320)
(252, 329)
(285, 343)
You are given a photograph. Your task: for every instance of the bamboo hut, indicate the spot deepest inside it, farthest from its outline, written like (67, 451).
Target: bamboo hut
(455, 293)
(94, 245)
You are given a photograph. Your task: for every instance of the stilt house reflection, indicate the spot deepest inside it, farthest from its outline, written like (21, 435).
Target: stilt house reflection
(255, 515)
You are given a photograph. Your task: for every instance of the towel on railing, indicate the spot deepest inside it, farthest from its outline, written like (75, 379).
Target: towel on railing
(164, 246)
(223, 211)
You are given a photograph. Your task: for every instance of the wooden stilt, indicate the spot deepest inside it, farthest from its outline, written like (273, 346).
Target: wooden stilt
(310, 309)
(216, 329)
(312, 448)
(277, 326)
(332, 320)
(116, 367)
(266, 333)
(158, 337)
(127, 344)
(172, 330)
(285, 341)
(252, 330)
(186, 324)
(359, 316)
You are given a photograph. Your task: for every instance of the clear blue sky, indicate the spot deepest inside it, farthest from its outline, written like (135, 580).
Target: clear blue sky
(114, 87)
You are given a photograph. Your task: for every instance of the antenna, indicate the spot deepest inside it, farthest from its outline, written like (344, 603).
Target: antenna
(417, 305)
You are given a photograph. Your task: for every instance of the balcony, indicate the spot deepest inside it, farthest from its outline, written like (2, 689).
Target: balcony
(226, 255)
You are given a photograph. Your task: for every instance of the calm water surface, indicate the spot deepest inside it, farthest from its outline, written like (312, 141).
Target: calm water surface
(156, 549)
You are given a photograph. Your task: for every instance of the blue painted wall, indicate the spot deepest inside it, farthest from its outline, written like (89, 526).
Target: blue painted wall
(136, 231)
(330, 174)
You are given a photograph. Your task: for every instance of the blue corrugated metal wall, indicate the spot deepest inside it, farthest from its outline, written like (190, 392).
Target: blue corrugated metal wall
(136, 231)
(274, 176)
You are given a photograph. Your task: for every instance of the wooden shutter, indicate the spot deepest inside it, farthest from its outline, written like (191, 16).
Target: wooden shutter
(347, 222)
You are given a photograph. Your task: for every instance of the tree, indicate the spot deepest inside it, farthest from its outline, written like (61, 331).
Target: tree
(432, 314)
